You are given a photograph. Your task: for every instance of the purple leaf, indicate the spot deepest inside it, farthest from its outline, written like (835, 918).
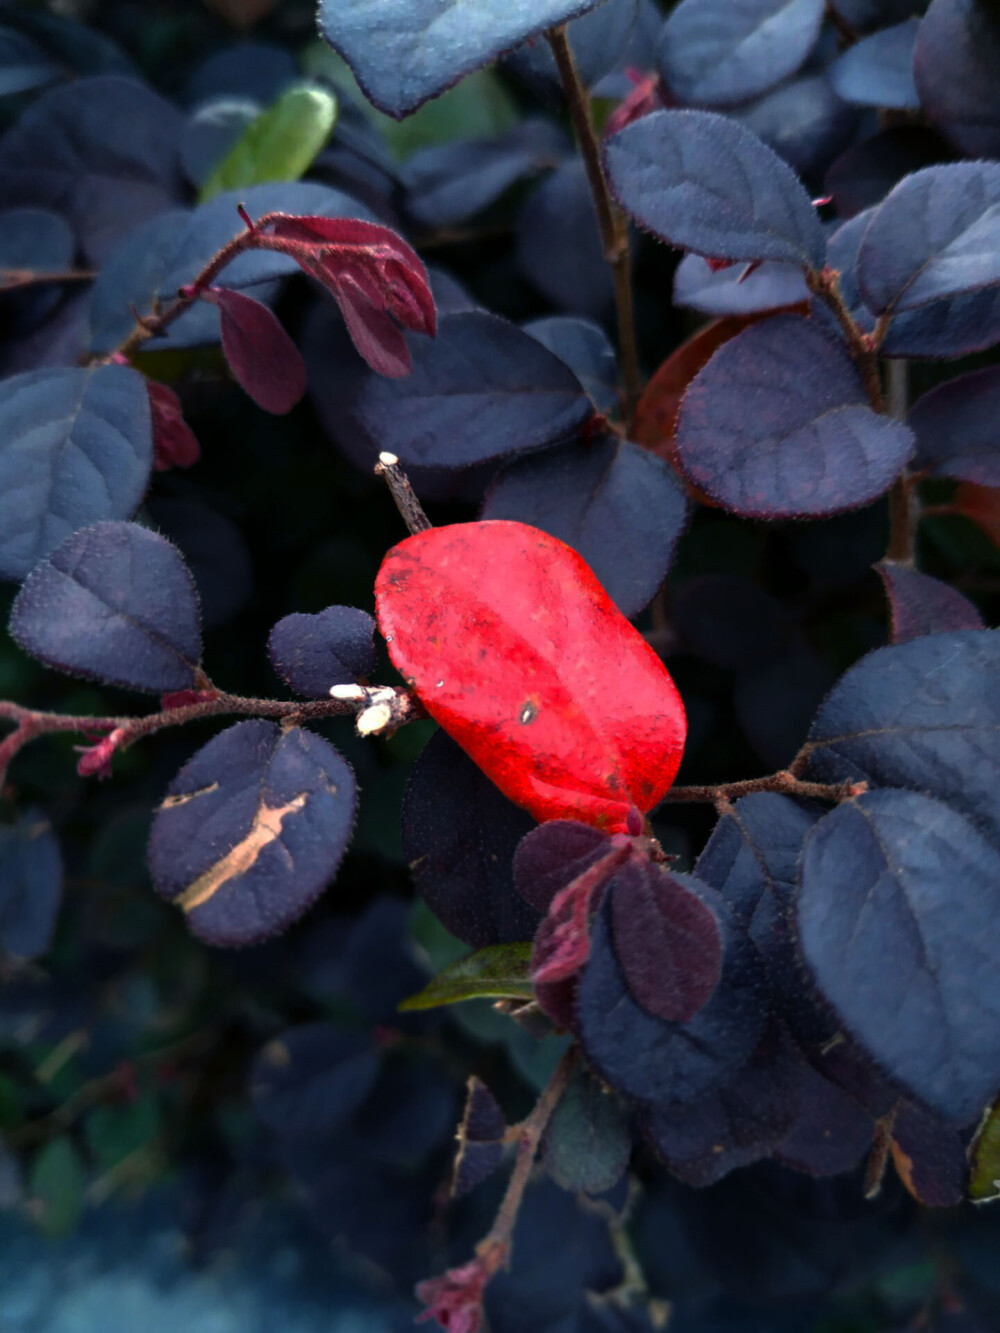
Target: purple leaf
(923, 605)
(878, 70)
(667, 940)
(332, 647)
(956, 63)
(777, 425)
(957, 425)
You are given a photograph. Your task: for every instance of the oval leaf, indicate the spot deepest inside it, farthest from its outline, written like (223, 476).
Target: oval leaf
(517, 651)
(313, 652)
(897, 912)
(878, 70)
(957, 425)
(704, 183)
(922, 605)
(499, 971)
(777, 425)
(403, 53)
(936, 236)
(280, 144)
(923, 715)
(252, 830)
(115, 602)
(266, 363)
(587, 1144)
(75, 446)
(718, 52)
(617, 505)
(955, 64)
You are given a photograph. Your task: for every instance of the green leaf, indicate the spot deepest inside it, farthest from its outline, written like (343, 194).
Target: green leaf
(279, 145)
(57, 1186)
(116, 1132)
(587, 1144)
(984, 1164)
(502, 971)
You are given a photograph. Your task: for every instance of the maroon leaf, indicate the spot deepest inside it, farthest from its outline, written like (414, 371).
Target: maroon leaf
(174, 442)
(923, 605)
(264, 360)
(375, 277)
(667, 941)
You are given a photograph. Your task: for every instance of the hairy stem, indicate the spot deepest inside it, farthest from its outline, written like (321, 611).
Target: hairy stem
(784, 782)
(610, 220)
(30, 724)
(529, 1136)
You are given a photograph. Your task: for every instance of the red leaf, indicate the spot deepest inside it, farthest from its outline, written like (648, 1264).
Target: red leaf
(375, 277)
(262, 357)
(513, 646)
(174, 442)
(981, 504)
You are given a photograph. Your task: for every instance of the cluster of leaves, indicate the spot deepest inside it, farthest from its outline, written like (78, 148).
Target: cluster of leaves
(764, 1043)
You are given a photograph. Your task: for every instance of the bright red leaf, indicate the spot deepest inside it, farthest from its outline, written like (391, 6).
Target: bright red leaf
(517, 651)
(261, 355)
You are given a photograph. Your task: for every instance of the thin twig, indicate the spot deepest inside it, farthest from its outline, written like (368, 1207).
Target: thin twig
(610, 220)
(785, 782)
(904, 505)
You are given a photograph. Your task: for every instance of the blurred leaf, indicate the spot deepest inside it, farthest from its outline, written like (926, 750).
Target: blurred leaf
(984, 1164)
(502, 970)
(279, 145)
(56, 1184)
(113, 1133)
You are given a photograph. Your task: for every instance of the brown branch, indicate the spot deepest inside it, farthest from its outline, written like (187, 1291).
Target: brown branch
(410, 509)
(610, 220)
(120, 732)
(785, 782)
(825, 284)
(15, 279)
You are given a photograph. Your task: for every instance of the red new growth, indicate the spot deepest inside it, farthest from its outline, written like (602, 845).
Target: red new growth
(374, 276)
(514, 647)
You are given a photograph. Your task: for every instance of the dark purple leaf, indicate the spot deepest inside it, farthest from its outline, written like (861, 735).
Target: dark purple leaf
(957, 426)
(266, 363)
(770, 286)
(252, 831)
(865, 173)
(718, 52)
(403, 53)
(804, 121)
(31, 885)
(254, 70)
(667, 940)
(33, 240)
(587, 1144)
(878, 70)
(777, 425)
(923, 715)
(619, 506)
(936, 236)
(832, 1131)
(115, 602)
(100, 151)
(450, 183)
(307, 1082)
(482, 389)
(553, 855)
(585, 348)
(332, 647)
(921, 605)
(704, 183)
(896, 918)
(702, 1141)
(211, 131)
(459, 835)
(956, 61)
(930, 1156)
(168, 252)
(559, 246)
(76, 446)
(480, 1139)
(655, 1061)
